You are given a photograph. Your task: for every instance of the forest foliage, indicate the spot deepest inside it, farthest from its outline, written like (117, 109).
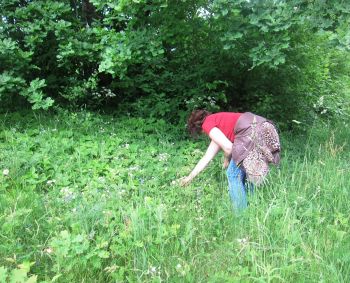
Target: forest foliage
(94, 198)
(88, 196)
(284, 59)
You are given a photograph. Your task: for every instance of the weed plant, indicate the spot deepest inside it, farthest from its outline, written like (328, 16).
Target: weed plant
(92, 198)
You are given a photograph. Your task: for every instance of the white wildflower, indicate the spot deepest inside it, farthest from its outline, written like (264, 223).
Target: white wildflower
(6, 172)
(153, 270)
(243, 241)
(48, 250)
(163, 156)
(51, 182)
(134, 168)
(180, 269)
(68, 195)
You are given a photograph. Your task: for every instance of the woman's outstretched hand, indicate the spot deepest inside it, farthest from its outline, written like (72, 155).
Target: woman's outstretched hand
(184, 181)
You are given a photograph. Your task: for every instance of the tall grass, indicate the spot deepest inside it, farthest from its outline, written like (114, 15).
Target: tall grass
(91, 198)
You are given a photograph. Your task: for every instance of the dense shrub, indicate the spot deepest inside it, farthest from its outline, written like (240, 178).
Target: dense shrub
(283, 59)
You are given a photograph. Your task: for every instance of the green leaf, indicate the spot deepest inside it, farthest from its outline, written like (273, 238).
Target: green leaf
(32, 279)
(3, 274)
(103, 254)
(35, 95)
(18, 276)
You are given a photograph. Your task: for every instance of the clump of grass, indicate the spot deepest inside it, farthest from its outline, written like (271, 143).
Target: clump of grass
(91, 197)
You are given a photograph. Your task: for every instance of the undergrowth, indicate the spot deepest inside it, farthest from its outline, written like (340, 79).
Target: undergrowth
(92, 198)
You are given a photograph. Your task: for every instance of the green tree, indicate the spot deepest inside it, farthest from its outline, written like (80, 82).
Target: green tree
(163, 58)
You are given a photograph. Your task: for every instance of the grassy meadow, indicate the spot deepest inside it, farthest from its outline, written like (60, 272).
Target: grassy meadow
(93, 198)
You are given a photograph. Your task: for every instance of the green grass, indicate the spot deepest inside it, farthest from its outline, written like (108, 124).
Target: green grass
(91, 198)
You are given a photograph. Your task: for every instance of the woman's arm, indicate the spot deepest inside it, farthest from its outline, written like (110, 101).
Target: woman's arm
(212, 150)
(225, 144)
(220, 139)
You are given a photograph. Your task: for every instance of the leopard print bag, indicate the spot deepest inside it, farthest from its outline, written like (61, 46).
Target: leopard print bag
(266, 149)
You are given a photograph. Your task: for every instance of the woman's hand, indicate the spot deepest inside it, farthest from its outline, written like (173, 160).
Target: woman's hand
(226, 163)
(212, 150)
(184, 181)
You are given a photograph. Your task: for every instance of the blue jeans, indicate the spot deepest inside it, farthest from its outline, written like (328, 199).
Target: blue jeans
(237, 186)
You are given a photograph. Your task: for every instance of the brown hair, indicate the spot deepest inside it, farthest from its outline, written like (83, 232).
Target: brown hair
(195, 121)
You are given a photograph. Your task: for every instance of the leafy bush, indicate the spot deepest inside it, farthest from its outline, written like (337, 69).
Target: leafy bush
(162, 59)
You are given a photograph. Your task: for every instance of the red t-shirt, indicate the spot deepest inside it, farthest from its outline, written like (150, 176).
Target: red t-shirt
(224, 121)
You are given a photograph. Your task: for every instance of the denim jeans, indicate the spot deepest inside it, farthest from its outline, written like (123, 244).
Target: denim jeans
(238, 186)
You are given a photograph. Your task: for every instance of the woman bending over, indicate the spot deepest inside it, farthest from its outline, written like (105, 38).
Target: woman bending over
(249, 142)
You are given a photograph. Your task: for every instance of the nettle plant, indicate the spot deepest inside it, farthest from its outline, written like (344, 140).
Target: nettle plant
(18, 274)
